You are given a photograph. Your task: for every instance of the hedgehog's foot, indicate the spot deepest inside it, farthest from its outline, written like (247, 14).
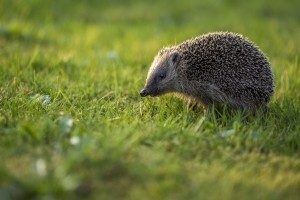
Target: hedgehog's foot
(193, 104)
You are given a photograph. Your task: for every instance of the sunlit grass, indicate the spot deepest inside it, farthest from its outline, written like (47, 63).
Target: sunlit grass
(72, 124)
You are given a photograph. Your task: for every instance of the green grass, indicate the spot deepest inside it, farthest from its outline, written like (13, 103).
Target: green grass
(91, 58)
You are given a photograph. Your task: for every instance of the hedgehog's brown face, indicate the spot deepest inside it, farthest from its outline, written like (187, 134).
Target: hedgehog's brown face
(162, 74)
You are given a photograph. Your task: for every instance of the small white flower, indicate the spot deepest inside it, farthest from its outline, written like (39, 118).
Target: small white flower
(46, 100)
(41, 167)
(66, 123)
(69, 122)
(75, 140)
(113, 55)
(227, 133)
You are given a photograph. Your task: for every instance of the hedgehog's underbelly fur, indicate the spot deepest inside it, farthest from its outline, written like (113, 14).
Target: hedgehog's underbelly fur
(241, 97)
(214, 97)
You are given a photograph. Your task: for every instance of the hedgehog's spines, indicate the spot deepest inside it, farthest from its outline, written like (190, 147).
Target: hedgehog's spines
(221, 67)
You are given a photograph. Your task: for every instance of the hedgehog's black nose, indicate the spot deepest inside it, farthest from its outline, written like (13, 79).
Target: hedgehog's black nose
(143, 93)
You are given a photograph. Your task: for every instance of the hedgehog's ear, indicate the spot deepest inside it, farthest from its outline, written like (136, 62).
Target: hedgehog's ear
(174, 58)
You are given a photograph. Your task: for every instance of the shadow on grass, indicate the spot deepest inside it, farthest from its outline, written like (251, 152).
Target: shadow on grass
(276, 129)
(17, 34)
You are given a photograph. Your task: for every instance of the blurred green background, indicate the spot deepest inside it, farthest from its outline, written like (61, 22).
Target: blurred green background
(72, 124)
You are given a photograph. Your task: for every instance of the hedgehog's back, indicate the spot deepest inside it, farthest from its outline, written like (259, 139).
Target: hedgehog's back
(231, 63)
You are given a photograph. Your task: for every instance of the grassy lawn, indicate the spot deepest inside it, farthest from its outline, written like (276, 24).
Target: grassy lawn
(72, 123)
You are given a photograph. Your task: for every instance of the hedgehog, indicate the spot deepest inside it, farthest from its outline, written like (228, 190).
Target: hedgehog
(213, 69)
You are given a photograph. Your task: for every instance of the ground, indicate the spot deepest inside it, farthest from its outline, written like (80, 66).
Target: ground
(72, 123)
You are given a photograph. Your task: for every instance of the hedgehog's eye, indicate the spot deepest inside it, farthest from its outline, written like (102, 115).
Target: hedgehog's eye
(162, 76)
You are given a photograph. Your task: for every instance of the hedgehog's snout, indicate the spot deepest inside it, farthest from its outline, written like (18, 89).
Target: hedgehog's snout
(144, 92)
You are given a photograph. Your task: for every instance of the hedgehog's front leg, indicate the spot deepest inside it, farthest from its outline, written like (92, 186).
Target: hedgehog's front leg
(212, 96)
(193, 104)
